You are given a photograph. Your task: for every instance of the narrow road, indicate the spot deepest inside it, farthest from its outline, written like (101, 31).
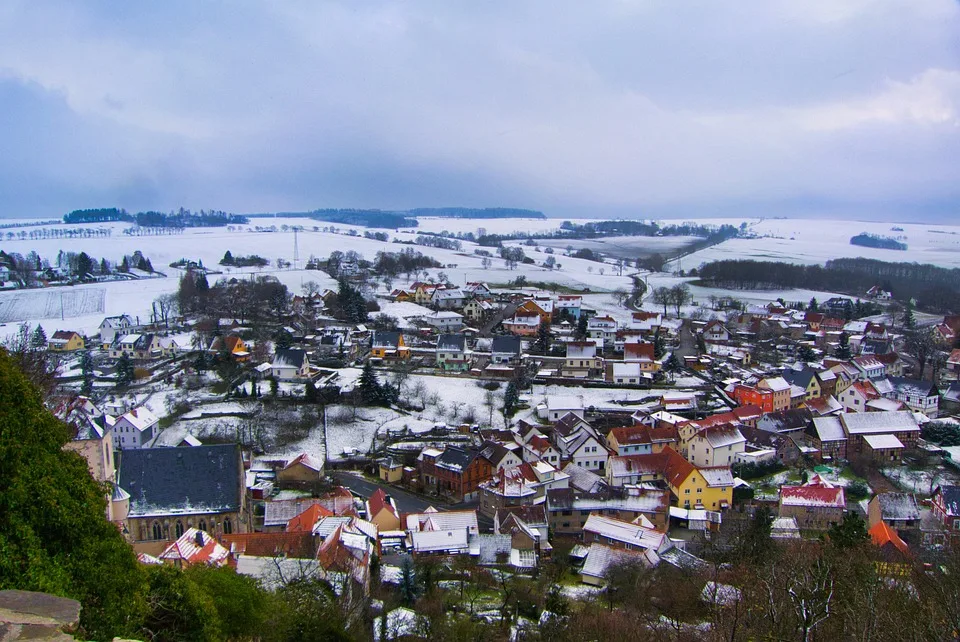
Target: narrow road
(406, 502)
(507, 311)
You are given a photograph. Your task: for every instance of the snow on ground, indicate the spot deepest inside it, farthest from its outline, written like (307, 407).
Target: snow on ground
(816, 241)
(922, 482)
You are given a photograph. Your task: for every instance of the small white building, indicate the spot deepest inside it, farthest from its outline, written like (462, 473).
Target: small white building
(135, 429)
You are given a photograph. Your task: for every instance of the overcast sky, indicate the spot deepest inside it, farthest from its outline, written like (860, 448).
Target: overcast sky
(627, 108)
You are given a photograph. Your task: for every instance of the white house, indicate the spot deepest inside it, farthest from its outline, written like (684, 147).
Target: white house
(448, 298)
(290, 365)
(135, 429)
(715, 446)
(444, 321)
(604, 329)
(505, 350)
(559, 405)
(110, 327)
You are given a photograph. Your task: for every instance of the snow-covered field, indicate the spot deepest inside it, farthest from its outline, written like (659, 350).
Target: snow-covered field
(51, 304)
(816, 241)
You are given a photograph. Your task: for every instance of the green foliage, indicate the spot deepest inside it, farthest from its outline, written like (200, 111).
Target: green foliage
(510, 399)
(53, 535)
(849, 533)
(942, 433)
(756, 541)
(241, 605)
(125, 373)
(282, 339)
(755, 471)
(542, 344)
(581, 332)
(813, 306)
(843, 348)
(350, 304)
(409, 587)
(39, 338)
(857, 490)
(179, 610)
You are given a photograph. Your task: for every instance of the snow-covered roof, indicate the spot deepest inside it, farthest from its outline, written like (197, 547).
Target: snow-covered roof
(626, 532)
(439, 540)
(717, 476)
(777, 384)
(829, 429)
(864, 423)
(600, 558)
(443, 521)
(564, 402)
(882, 442)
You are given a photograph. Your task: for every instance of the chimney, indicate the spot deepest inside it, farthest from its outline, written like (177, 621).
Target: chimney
(199, 538)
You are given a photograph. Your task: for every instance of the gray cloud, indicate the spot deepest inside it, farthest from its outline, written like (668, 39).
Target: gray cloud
(619, 108)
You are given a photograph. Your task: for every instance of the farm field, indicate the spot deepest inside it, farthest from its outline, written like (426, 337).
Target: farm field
(51, 304)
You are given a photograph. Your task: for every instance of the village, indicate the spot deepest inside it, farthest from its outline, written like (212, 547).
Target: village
(512, 427)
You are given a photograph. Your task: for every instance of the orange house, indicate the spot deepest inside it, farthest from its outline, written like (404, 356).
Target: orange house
(531, 307)
(750, 396)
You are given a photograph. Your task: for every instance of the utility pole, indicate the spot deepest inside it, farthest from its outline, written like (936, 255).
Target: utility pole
(296, 249)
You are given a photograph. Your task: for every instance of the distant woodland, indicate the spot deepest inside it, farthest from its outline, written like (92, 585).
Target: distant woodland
(881, 242)
(179, 219)
(935, 288)
(471, 212)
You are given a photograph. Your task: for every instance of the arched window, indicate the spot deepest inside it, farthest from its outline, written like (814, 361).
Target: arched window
(227, 526)
(179, 528)
(157, 531)
(203, 524)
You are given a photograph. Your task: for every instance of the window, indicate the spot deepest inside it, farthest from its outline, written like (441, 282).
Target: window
(203, 524)
(157, 531)
(956, 524)
(686, 491)
(227, 526)
(179, 528)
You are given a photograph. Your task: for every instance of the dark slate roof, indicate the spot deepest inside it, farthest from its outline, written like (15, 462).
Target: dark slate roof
(953, 393)
(494, 452)
(785, 420)
(451, 342)
(800, 378)
(454, 458)
(289, 357)
(386, 339)
(906, 386)
(506, 344)
(876, 346)
(172, 481)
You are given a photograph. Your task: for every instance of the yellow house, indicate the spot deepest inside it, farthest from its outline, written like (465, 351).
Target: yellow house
(391, 471)
(66, 341)
(383, 512)
(692, 487)
(423, 292)
(388, 345)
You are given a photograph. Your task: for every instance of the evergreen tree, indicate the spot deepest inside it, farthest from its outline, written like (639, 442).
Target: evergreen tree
(125, 372)
(511, 397)
(581, 332)
(38, 340)
(849, 533)
(843, 349)
(53, 535)
(756, 542)
(86, 367)
(408, 588)
(227, 258)
(84, 265)
(542, 344)
(274, 387)
(806, 354)
(203, 286)
(371, 392)
(909, 322)
(104, 267)
(813, 306)
(125, 265)
(658, 347)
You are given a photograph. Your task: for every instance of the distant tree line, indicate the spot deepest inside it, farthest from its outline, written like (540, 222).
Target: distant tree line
(874, 240)
(408, 261)
(439, 241)
(365, 218)
(934, 288)
(177, 219)
(69, 266)
(470, 212)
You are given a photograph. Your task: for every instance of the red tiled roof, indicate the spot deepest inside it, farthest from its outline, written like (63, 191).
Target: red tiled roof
(631, 435)
(813, 495)
(290, 544)
(638, 350)
(377, 502)
(304, 522)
